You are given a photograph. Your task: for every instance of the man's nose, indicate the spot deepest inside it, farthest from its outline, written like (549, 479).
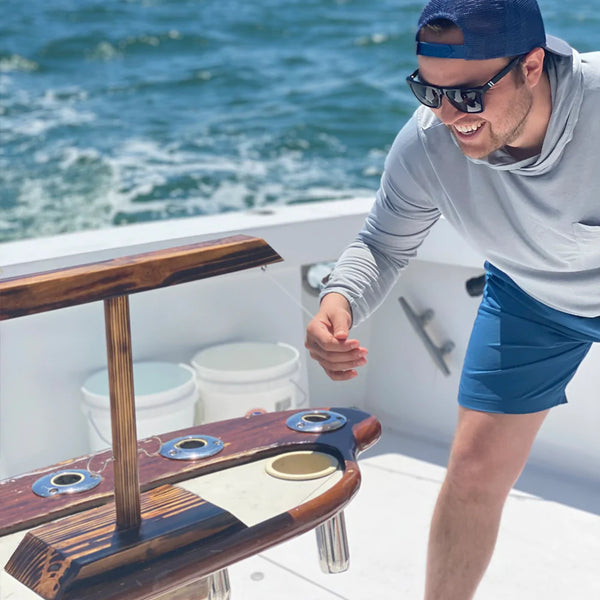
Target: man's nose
(447, 113)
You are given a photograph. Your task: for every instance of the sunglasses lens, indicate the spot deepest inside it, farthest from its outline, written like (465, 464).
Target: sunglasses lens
(468, 101)
(426, 94)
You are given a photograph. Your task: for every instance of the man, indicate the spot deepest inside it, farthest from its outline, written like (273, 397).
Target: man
(506, 148)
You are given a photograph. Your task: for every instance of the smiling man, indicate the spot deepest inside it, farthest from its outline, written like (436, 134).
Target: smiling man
(505, 147)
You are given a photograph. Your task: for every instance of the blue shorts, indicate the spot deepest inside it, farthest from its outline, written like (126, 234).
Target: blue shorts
(522, 353)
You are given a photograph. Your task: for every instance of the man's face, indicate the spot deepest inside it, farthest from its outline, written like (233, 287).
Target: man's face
(507, 104)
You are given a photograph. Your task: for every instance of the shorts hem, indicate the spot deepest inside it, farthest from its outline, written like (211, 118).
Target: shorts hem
(509, 408)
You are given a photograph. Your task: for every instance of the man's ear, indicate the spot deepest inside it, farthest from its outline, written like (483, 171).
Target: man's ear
(533, 66)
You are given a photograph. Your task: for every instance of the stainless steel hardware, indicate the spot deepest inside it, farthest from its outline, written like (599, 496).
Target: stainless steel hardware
(419, 322)
(316, 421)
(332, 541)
(191, 447)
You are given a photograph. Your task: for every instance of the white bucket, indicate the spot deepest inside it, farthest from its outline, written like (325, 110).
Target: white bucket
(165, 400)
(238, 377)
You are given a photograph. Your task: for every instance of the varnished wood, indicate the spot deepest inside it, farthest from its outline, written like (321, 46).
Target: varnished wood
(52, 558)
(122, 412)
(246, 439)
(141, 546)
(41, 292)
(163, 570)
(169, 571)
(112, 281)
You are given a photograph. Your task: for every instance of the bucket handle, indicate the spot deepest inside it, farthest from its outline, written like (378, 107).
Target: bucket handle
(96, 429)
(99, 433)
(301, 390)
(109, 444)
(188, 368)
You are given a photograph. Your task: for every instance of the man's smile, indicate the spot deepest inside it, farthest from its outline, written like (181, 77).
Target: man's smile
(468, 130)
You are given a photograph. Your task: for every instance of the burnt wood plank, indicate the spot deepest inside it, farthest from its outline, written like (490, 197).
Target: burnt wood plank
(177, 569)
(20, 296)
(246, 439)
(180, 568)
(122, 412)
(51, 558)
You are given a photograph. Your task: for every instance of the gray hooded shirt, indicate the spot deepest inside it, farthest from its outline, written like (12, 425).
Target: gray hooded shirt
(538, 219)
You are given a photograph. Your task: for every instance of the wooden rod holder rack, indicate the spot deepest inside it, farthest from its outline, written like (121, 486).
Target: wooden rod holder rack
(112, 281)
(156, 536)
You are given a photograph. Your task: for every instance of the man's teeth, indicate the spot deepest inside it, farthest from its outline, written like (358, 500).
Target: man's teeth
(468, 128)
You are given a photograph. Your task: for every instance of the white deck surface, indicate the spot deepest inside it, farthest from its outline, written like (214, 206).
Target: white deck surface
(546, 550)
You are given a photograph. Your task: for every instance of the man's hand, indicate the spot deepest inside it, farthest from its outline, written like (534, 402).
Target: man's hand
(327, 339)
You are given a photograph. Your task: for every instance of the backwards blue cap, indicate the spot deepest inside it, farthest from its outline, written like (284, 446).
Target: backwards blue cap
(491, 29)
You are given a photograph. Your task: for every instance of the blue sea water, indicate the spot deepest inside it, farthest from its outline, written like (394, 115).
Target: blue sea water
(121, 111)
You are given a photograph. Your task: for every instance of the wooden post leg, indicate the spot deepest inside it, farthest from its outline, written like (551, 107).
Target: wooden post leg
(332, 541)
(122, 412)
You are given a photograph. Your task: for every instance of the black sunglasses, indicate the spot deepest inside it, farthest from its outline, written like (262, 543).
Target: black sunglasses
(467, 100)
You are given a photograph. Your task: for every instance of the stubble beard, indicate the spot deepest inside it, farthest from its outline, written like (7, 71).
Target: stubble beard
(506, 132)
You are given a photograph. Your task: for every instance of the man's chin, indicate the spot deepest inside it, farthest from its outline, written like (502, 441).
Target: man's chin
(472, 151)
(475, 155)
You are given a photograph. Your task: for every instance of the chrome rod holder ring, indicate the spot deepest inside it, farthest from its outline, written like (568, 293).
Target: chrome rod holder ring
(316, 421)
(68, 481)
(191, 447)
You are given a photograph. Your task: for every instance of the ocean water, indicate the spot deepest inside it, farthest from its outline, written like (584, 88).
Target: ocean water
(123, 111)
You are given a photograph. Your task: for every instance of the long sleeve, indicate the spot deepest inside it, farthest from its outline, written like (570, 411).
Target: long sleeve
(396, 226)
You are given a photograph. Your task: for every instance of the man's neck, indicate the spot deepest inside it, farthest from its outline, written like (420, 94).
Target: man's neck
(531, 140)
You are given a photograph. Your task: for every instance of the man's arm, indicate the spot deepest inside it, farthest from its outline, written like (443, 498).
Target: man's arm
(401, 218)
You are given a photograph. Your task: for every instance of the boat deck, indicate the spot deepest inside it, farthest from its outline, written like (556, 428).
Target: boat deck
(548, 548)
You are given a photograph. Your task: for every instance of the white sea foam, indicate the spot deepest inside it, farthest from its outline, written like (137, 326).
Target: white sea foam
(56, 97)
(141, 167)
(16, 62)
(39, 122)
(72, 155)
(375, 38)
(68, 211)
(372, 171)
(55, 108)
(104, 51)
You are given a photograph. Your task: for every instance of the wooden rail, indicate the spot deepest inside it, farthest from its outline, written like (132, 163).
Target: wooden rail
(42, 292)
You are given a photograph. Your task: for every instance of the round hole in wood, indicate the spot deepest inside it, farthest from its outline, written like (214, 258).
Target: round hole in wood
(191, 444)
(315, 417)
(65, 479)
(302, 465)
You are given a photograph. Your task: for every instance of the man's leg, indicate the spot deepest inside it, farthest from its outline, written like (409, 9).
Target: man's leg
(488, 454)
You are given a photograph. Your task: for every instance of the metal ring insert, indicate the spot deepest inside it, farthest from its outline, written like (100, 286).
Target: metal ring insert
(316, 421)
(70, 481)
(191, 447)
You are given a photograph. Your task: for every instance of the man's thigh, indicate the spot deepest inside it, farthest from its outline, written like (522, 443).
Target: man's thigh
(489, 452)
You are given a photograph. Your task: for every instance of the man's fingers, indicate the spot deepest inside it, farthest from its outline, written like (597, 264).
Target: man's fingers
(320, 338)
(327, 340)
(341, 375)
(323, 347)
(339, 360)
